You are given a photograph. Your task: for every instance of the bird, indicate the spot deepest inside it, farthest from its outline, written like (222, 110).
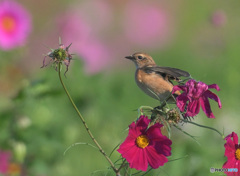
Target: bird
(154, 80)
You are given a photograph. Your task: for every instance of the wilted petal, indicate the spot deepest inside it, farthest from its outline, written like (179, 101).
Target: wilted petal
(178, 88)
(193, 108)
(199, 89)
(206, 107)
(181, 101)
(214, 86)
(213, 96)
(190, 87)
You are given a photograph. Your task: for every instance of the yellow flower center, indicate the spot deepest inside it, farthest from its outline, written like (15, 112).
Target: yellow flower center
(142, 141)
(8, 23)
(237, 154)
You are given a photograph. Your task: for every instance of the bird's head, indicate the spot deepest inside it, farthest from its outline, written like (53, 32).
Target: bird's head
(141, 59)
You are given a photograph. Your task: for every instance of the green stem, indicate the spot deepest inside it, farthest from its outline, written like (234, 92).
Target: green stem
(84, 122)
(186, 121)
(122, 165)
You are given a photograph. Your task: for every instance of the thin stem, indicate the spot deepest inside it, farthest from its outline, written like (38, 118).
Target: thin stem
(84, 122)
(205, 127)
(122, 165)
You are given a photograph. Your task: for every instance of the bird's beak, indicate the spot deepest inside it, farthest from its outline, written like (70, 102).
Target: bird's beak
(129, 57)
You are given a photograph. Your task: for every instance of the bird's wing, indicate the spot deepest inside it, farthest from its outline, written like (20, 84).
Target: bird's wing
(168, 72)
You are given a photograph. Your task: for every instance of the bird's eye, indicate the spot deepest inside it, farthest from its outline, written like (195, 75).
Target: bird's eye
(140, 57)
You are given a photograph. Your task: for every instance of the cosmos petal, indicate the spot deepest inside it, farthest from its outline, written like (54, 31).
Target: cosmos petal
(182, 101)
(142, 124)
(163, 147)
(140, 161)
(199, 89)
(214, 86)
(154, 158)
(193, 108)
(154, 133)
(206, 107)
(234, 136)
(178, 88)
(213, 96)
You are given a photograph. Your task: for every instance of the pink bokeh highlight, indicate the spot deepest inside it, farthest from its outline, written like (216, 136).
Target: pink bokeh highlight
(84, 31)
(4, 161)
(146, 25)
(219, 18)
(15, 25)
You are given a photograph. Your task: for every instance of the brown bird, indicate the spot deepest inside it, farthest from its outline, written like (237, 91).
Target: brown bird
(154, 80)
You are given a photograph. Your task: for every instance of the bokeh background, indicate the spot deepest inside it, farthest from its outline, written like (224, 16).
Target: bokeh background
(37, 122)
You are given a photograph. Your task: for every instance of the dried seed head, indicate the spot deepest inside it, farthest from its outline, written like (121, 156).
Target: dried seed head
(60, 55)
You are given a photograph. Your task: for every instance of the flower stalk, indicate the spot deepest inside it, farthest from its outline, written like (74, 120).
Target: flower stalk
(187, 121)
(84, 122)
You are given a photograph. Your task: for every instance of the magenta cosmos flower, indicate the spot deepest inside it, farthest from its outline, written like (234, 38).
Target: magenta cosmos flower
(15, 25)
(196, 94)
(232, 152)
(145, 146)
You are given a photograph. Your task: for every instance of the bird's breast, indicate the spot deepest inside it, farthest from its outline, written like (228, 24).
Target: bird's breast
(153, 84)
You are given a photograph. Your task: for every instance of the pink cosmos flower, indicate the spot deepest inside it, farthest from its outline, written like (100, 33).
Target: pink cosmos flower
(232, 152)
(4, 161)
(145, 146)
(196, 94)
(15, 25)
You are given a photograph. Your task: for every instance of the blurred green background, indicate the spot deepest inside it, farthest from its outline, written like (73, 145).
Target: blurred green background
(201, 37)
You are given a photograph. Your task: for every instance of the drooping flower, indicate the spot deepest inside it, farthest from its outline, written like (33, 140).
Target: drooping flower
(145, 146)
(15, 25)
(232, 152)
(196, 94)
(4, 161)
